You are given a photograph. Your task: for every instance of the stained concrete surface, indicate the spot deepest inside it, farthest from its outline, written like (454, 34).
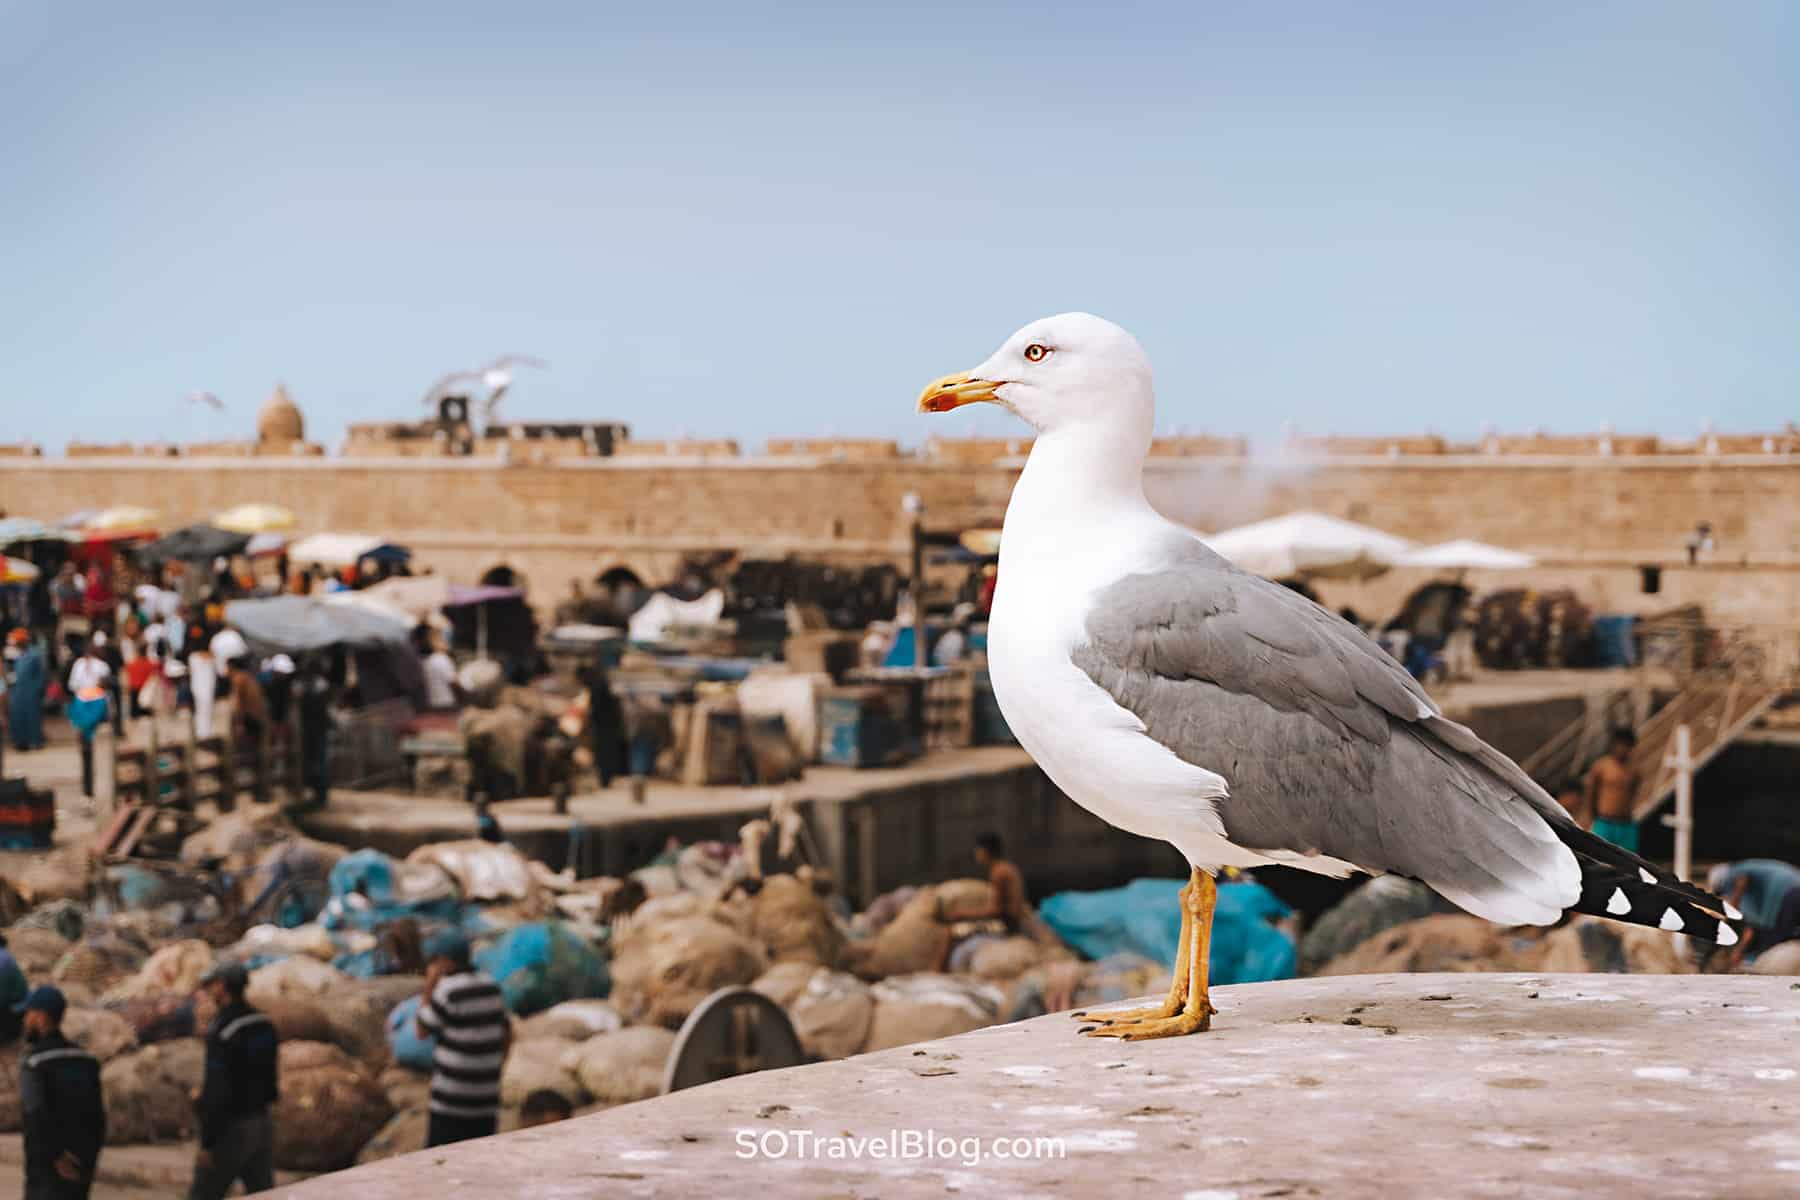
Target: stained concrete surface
(1389, 1085)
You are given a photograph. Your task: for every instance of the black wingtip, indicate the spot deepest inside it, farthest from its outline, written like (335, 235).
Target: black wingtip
(1620, 886)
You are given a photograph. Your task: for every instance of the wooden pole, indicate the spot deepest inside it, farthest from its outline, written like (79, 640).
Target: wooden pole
(190, 763)
(152, 762)
(261, 748)
(1682, 763)
(918, 592)
(105, 772)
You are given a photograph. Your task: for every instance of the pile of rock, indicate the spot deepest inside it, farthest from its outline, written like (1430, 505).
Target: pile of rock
(1458, 942)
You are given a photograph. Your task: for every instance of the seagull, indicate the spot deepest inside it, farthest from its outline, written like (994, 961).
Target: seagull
(495, 376)
(1177, 697)
(206, 398)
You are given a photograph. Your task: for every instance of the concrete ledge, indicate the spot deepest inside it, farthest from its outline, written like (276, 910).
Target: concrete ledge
(1388, 1085)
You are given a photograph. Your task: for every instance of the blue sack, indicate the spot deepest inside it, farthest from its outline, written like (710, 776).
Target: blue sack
(410, 1050)
(1144, 917)
(1246, 946)
(542, 964)
(364, 896)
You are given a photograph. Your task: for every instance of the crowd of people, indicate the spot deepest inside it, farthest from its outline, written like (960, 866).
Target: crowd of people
(106, 651)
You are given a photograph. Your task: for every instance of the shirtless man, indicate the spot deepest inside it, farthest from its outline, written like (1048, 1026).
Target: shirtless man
(249, 711)
(1611, 787)
(1004, 911)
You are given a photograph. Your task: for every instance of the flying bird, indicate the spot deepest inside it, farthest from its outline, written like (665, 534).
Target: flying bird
(1177, 697)
(495, 376)
(206, 398)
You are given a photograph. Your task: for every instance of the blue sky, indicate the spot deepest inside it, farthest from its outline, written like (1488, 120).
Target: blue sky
(756, 220)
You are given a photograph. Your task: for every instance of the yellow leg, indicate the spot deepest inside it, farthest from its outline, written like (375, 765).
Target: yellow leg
(1195, 1014)
(1178, 985)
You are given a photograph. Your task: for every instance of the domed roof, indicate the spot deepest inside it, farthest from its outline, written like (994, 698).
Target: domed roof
(280, 419)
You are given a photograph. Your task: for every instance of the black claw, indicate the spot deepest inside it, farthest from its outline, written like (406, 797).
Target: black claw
(1087, 1029)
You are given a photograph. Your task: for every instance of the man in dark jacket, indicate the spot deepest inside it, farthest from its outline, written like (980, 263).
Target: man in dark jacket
(605, 725)
(61, 1110)
(313, 693)
(237, 1138)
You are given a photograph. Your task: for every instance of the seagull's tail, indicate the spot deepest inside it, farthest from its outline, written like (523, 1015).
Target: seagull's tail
(1619, 885)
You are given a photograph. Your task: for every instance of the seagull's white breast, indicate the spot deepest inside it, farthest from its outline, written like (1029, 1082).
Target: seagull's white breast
(1090, 747)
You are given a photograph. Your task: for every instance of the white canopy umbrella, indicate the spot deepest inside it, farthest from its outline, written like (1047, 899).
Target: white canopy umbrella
(1310, 545)
(1464, 554)
(389, 606)
(419, 596)
(339, 549)
(124, 516)
(255, 518)
(332, 549)
(262, 544)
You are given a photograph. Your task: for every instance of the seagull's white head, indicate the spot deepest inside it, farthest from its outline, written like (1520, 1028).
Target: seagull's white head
(1061, 372)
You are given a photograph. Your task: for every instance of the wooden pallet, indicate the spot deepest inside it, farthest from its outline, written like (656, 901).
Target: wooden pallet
(121, 835)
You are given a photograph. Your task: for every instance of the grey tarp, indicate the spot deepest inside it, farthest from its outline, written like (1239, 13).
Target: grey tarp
(293, 624)
(196, 543)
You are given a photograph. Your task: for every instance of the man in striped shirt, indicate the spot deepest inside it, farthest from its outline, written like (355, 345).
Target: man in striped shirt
(464, 1013)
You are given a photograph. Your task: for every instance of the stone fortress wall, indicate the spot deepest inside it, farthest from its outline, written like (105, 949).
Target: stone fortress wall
(544, 502)
(1593, 521)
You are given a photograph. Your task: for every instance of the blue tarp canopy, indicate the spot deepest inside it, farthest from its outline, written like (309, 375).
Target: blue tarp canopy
(295, 624)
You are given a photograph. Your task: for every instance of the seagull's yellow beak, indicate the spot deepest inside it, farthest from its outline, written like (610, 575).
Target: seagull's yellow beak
(954, 391)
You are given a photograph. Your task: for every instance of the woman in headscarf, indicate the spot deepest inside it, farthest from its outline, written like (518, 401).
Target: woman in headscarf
(25, 696)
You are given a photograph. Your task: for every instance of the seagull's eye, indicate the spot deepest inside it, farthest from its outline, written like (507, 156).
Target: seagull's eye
(1036, 352)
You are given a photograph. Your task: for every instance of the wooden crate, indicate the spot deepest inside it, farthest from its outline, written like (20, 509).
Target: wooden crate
(713, 749)
(950, 710)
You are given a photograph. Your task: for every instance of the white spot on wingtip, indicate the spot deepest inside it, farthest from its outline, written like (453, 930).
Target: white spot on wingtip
(1671, 920)
(1617, 904)
(1727, 935)
(1732, 911)
(1646, 876)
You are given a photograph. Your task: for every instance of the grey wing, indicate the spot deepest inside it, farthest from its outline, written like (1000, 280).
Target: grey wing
(436, 390)
(1326, 744)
